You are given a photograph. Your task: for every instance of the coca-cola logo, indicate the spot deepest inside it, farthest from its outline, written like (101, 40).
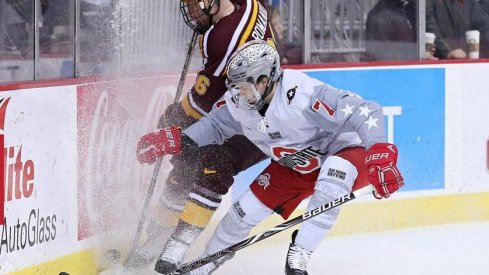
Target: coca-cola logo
(113, 182)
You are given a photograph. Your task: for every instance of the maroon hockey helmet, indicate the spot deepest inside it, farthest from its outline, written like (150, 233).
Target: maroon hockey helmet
(197, 14)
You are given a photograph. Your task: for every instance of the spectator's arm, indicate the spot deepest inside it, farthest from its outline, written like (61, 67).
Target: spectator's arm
(442, 47)
(480, 21)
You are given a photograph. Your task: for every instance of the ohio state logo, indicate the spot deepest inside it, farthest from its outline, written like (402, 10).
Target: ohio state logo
(302, 160)
(264, 180)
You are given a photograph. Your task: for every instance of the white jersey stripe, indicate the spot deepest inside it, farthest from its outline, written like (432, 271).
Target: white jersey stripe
(204, 43)
(203, 200)
(235, 38)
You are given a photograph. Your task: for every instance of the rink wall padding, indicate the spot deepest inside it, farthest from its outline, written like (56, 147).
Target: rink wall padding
(73, 187)
(413, 212)
(382, 215)
(81, 262)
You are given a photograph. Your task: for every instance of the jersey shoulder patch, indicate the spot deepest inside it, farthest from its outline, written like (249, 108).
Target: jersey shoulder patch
(319, 105)
(220, 103)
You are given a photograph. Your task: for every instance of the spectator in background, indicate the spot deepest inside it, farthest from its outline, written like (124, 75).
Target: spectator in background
(289, 53)
(18, 26)
(449, 20)
(96, 34)
(484, 5)
(392, 32)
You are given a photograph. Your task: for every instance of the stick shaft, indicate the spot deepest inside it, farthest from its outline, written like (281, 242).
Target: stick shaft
(149, 194)
(277, 229)
(186, 65)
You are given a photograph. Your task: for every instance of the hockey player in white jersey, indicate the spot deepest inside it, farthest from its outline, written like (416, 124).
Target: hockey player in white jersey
(324, 143)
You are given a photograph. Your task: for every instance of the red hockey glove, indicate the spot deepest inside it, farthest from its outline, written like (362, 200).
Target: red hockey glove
(383, 174)
(157, 144)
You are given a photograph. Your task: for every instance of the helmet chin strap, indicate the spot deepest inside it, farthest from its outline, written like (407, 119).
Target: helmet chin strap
(208, 10)
(269, 87)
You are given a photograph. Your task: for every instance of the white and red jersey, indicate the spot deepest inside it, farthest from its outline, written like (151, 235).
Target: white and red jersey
(306, 121)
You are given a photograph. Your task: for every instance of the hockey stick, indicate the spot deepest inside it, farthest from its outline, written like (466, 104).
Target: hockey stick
(277, 229)
(186, 66)
(156, 171)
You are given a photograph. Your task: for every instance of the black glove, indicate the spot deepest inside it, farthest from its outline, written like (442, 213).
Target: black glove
(175, 115)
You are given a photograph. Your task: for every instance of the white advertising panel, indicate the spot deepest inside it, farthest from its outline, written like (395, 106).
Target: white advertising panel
(39, 131)
(467, 132)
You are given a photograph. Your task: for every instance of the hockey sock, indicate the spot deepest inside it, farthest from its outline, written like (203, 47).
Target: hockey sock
(313, 231)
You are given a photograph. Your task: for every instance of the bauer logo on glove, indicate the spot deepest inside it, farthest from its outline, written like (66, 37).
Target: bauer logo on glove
(158, 144)
(383, 173)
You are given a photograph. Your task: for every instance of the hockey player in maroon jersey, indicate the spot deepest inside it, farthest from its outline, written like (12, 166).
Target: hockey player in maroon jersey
(201, 176)
(324, 143)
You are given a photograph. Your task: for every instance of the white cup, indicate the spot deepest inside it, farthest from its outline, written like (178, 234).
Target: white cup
(429, 40)
(472, 38)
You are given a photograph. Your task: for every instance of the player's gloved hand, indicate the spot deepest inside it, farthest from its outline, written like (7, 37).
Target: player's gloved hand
(170, 116)
(157, 144)
(175, 115)
(383, 174)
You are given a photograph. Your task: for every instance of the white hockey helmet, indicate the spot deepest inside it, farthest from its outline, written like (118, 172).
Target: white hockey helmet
(246, 66)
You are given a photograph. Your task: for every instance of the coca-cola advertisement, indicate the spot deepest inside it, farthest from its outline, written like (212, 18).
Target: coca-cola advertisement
(112, 183)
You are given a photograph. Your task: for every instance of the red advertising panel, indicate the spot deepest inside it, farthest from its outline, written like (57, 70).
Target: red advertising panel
(111, 118)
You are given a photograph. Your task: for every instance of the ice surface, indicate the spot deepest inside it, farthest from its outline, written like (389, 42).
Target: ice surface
(449, 250)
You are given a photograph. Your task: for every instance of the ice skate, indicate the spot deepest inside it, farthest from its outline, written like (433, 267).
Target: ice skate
(145, 255)
(172, 256)
(297, 258)
(210, 267)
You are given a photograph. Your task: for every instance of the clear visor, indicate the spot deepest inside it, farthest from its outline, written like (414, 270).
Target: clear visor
(246, 96)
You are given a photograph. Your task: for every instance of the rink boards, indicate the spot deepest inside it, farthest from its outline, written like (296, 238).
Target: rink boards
(73, 186)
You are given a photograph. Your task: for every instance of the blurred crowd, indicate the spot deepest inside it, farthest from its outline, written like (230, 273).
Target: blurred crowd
(391, 30)
(55, 24)
(460, 29)
(291, 53)
(45, 31)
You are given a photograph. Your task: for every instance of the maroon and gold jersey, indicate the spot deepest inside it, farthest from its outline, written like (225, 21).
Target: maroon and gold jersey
(247, 22)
